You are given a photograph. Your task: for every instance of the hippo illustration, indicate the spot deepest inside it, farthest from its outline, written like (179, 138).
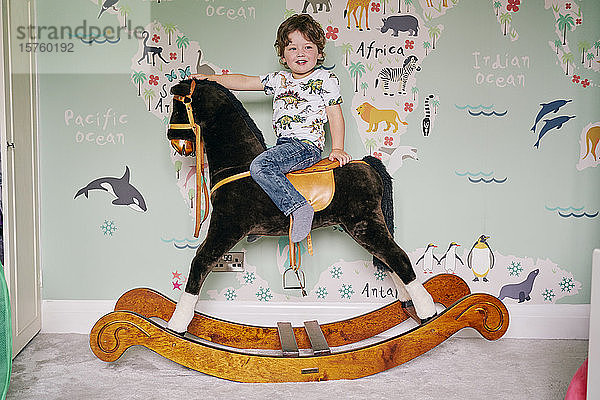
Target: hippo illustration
(404, 23)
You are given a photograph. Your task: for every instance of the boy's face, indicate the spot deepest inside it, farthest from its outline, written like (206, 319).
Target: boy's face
(300, 55)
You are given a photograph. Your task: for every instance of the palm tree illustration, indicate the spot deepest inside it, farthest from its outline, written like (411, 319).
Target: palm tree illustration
(434, 33)
(182, 43)
(288, 13)
(139, 77)
(565, 22)
(178, 165)
(426, 46)
(364, 86)
(590, 57)
(583, 46)
(347, 49)
(191, 195)
(597, 46)
(384, 3)
(505, 18)
(497, 6)
(169, 30)
(435, 103)
(407, 3)
(370, 145)
(558, 44)
(568, 58)
(356, 71)
(414, 91)
(124, 10)
(149, 95)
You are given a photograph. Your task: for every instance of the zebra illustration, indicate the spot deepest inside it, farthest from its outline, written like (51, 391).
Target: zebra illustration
(388, 75)
(427, 119)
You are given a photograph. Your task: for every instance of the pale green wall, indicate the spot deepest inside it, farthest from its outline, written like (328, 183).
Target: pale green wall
(432, 204)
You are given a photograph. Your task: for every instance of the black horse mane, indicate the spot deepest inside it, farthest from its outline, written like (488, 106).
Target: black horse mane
(238, 106)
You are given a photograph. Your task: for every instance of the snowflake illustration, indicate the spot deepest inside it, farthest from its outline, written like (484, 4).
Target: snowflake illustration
(515, 268)
(108, 227)
(346, 291)
(380, 274)
(230, 294)
(264, 294)
(548, 294)
(321, 292)
(566, 285)
(336, 272)
(249, 278)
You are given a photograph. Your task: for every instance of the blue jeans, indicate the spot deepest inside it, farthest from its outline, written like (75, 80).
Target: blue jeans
(268, 169)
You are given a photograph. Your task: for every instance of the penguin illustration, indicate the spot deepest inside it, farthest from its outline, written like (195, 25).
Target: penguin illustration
(481, 259)
(451, 256)
(106, 5)
(428, 258)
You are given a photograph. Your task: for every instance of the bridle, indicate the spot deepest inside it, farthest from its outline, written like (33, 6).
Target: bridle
(200, 179)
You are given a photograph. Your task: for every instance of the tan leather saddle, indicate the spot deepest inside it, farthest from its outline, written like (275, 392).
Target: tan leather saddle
(316, 183)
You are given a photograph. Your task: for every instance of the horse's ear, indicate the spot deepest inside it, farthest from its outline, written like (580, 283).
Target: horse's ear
(181, 89)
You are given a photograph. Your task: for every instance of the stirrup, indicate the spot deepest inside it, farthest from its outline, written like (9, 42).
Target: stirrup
(295, 264)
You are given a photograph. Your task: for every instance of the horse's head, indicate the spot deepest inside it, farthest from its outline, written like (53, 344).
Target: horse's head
(208, 107)
(181, 132)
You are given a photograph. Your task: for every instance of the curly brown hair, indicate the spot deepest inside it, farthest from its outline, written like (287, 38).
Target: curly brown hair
(306, 25)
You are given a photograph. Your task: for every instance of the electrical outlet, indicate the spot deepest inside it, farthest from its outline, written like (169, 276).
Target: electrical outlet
(230, 262)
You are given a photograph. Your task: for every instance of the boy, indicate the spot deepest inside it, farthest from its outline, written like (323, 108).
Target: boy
(305, 98)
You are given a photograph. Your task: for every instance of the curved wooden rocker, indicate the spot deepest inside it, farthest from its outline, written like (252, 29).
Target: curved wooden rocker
(445, 289)
(119, 330)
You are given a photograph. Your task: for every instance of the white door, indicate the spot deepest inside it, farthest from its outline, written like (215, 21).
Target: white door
(20, 178)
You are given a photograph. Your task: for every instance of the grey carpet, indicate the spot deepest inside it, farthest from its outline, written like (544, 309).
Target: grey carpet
(61, 366)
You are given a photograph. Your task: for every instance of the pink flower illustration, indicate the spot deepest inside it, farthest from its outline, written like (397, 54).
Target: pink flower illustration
(153, 80)
(173, 56)
(585, 83)
(155, 38)
(332, 33)
(408, 107)
(388, 141)
(578, 21)
(377, 154)
(375, 7)
(409, 44)
(513, 5)
(568, 6)
(576, 78)
(224, 71)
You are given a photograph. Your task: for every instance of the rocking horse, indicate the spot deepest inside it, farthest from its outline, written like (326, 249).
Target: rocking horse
(206, 117)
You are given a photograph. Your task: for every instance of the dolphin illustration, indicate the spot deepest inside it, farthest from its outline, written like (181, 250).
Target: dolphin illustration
(125, 193)
(551, 124)
(106, 5)
(547, 108)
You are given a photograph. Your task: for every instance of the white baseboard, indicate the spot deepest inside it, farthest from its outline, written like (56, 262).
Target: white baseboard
(527, 321)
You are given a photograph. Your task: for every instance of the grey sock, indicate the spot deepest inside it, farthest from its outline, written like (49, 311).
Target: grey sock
(302, 222)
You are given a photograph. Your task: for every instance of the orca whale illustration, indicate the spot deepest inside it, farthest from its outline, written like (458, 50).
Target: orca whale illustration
(107, 4)
(551, 124)
(125, 193)
(553, 106)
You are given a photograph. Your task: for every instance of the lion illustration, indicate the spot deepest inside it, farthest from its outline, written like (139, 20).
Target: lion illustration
(592, 138)
(374, 116)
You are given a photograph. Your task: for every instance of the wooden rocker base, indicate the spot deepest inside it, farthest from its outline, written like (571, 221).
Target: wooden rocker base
(445, 289)
(119, 330)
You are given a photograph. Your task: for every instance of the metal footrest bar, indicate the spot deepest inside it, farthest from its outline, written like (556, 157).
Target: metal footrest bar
(317, 339)
(287, 339)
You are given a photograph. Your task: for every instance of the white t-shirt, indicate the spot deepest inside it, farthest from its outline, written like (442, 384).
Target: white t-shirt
(299, 104)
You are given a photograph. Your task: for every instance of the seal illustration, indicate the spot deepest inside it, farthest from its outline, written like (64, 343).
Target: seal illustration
(520, 291)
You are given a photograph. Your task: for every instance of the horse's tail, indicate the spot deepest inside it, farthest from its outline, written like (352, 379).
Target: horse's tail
(387, 200)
